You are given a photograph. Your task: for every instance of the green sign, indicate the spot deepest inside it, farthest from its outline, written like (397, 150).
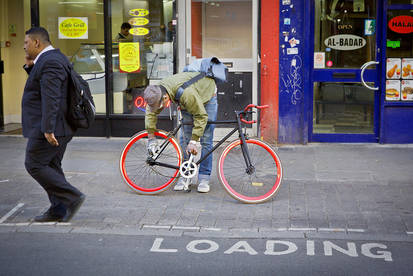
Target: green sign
(393, 44)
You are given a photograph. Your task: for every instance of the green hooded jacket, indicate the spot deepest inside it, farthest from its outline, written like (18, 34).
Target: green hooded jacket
(192, 100)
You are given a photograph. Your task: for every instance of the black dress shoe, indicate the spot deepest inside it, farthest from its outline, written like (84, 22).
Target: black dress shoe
(71, 211)
(47, 217)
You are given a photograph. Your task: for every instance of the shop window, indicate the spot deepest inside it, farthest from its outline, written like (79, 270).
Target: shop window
(345, 32)
(343, 108)
(76, 29)
(221, 28)
(399, 56)
(143, 54)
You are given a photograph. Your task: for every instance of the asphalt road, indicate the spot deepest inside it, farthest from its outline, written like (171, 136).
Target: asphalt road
(97, 254)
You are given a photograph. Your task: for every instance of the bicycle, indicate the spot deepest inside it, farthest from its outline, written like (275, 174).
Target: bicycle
(257, 181)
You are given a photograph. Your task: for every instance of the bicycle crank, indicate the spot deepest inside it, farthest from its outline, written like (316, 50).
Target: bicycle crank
(188, 170)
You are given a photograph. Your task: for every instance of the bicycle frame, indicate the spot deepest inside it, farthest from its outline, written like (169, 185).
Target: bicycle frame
(150, 172)
(238, 127)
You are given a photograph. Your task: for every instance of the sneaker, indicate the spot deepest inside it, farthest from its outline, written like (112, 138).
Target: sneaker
(203, 186)
(179, 186)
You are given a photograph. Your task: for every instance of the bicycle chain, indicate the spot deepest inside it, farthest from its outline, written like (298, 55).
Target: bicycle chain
(168, 176)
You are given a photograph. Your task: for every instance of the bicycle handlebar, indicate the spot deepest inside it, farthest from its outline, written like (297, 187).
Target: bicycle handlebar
(256, 106)
(247, 108)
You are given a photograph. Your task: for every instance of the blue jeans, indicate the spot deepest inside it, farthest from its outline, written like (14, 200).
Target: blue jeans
(205, 167)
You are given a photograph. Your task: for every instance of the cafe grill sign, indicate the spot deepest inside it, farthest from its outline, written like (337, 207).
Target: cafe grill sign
(402, 24)
(345, 42)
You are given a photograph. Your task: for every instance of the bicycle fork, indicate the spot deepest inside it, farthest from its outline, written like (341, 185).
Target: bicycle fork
(250, 169)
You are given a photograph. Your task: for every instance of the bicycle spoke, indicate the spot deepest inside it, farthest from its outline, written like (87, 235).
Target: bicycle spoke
(251, 187)
(141, 175)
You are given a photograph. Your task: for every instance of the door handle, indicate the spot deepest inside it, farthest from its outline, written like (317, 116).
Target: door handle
(363, 68)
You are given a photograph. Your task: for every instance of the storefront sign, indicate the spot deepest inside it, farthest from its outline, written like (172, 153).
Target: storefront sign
(73, 27)
(129, 57)
(139, 12)
(138, 21)
(345, 42)
(139, 31)
(402, 24)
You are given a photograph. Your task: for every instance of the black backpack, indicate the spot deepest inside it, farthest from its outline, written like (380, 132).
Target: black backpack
(81, 107)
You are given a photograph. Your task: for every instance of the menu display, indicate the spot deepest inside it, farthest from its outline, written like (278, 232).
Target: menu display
(393, 68)
(392, 90)
(407, 90)
(396, 89)
(407, 68)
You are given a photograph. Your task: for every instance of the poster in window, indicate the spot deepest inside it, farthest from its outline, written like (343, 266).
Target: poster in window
(129, 57)
(319, 60)
(73, 27)
(392, 90)
(407, 90)
(407, 68)
(393, 68)
(369, 26)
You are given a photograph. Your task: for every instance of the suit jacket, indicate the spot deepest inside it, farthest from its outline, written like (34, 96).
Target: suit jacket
(44, 103)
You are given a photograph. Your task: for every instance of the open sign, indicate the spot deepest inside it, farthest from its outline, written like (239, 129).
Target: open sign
(140, 103)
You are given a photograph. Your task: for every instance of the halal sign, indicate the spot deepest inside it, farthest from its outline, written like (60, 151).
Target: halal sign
(402, 24)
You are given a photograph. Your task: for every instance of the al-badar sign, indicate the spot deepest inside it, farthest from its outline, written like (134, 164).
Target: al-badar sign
(73, 27)
(345, 42)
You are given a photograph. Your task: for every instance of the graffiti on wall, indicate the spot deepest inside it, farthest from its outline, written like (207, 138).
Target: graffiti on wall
(292, 80)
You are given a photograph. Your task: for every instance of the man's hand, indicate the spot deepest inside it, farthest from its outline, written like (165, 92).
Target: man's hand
(28, 61)
(191, 148)
(51, 139)
(152, 146)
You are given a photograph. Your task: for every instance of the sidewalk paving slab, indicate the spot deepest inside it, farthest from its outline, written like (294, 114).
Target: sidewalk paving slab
(350, 187)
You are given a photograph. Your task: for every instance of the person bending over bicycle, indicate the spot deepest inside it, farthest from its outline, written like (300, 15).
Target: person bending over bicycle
(198, 103)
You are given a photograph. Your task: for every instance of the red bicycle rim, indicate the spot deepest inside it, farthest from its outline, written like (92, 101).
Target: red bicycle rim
(235, 193)
(130, 182)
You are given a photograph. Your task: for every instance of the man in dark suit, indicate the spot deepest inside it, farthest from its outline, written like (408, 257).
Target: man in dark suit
(44, 108)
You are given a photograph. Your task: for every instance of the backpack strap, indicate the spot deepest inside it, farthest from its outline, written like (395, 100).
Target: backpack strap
(186, 84)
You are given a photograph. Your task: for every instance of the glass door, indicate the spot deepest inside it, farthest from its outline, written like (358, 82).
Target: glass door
(228, 31)
(346, 72)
